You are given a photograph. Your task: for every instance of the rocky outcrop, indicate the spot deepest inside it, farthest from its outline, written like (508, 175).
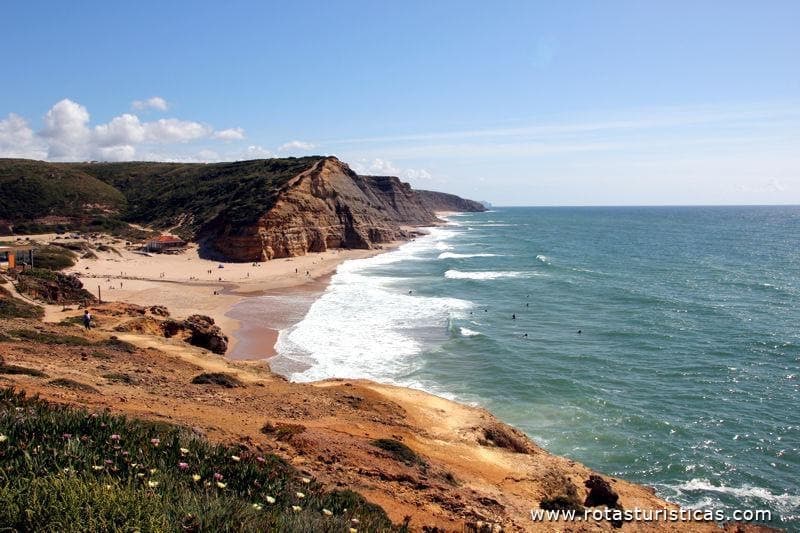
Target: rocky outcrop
(198, 330)
(53, 287)
(327, 206)
(442, 201)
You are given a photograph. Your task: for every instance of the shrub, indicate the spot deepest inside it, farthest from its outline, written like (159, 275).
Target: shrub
(398, 451)
(222, 379)
(11, 307)
(65, 469)
(53, 258)
(72, 385)
(50, 338)
(121, 377)
(282, 431)
(21, 370)
(504, 437)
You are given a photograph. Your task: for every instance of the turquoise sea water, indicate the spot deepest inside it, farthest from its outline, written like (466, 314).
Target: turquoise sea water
(685, 374)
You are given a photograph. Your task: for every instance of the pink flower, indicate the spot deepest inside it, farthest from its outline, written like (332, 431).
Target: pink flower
(183, 466)
(155, 442)
(115, 437)
(260, 459)
(66, 436)
(217, 476)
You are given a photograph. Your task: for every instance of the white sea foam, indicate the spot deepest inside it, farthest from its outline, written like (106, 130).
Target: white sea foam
(363, 326)
(451, 255)
(458, 274)
(466, 332)
(543, 258)
(783, 501)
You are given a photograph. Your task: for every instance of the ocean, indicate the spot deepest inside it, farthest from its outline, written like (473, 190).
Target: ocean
(657, 344)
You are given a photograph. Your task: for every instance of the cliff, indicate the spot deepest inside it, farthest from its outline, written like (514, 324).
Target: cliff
(242, 211)
(327, 206)
(445, 466)
(442, 201)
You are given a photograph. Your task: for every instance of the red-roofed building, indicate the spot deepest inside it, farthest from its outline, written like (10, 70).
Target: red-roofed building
(165, 243)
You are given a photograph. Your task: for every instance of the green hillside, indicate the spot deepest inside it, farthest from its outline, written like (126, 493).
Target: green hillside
(32, 189)
(165, 194)
(100, 195)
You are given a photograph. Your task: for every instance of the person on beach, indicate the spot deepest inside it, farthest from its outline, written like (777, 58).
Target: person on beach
(87, 320)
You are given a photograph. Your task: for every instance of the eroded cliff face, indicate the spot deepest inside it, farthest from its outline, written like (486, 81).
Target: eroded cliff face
(326, 206)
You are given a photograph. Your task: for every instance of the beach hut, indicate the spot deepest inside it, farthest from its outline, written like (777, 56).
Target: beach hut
(10, 256)
(165, 243)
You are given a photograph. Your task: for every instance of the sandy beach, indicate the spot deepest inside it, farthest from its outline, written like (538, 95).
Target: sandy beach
(188, 284)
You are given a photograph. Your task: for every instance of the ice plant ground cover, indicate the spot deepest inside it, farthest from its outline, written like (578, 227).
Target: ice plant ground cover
(67, 469)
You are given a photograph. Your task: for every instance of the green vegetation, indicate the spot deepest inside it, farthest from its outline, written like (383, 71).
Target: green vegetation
(399, 451)
(43, 337)
(35, 189)
(121, 377)
(53, 258)
(20, 370)
(282, 431)
(11, 307)
(41, 197)
(229, 381)
(64, 469)
(72, 385)
(198, 194)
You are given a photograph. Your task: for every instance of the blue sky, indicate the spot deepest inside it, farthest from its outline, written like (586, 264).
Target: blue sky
(551, 103)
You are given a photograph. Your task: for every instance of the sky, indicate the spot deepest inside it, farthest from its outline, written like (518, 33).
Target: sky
(516, 103)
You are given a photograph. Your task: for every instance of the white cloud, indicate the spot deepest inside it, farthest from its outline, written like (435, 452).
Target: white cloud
(230, 134)
(375, 167)
(255, 152)
(17, 139)
(383, 167)
(67, 135)
(295, 146)
(124, 129)
(155, 102)
(167, 130)
(120, 152)
(771, 186)
(417, 175)
(66, 130)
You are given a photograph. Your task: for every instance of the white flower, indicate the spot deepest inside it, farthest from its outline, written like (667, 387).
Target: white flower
(95, 467)
(257, 506)
(327, 512)
(3, 438)
(306, 480)
(300, 495)
(221, 485)
(296, 508)
(184, 450)
(270, 499)
(235, 458)
(196, 477)
(152, 484)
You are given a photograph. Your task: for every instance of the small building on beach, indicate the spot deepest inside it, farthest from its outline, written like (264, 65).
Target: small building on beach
(165, 244)
(12, 256)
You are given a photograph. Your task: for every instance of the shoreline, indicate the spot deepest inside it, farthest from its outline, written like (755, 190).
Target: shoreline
(452, 419)
(187, 284)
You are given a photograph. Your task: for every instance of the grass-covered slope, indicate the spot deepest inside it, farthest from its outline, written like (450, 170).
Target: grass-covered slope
(34, 189)
(97, 195)
(192, 195)
(65, 469)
